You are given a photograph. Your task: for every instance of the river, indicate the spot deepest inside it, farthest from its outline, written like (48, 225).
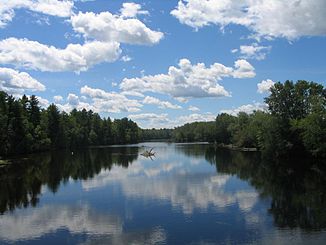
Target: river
(185, 194)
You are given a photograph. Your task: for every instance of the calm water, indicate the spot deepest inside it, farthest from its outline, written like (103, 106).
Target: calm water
(188, 194)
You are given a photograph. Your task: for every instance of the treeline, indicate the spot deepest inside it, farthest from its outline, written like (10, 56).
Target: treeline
(195, 132)
(25, 127)
(156, 134)
(294, 123)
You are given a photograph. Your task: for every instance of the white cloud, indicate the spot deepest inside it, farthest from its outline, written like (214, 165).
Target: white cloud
(193, 108)
(151, 120)
(161, 104)
(133, 93)
(74, 102)
(113, 28)
(190, 81)
(126, 58)
(264, 86)
(15, 82)
(243, 69)
(271, 19)
(103, 33)
(131, 10)
(75, 57)
(249, 108)
(57, 98)
(43, 102)
(103, 101)
(73, 99)
(195, 117)
(62, 8)
(253, 51)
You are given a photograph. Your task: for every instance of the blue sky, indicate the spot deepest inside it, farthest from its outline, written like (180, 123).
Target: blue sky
(160, 63)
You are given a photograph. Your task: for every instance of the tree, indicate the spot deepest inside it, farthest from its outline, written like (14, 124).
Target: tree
(223, 122)
(33, 110)
(314, 133)
(53, 115)
(4, 114)
(295, 101)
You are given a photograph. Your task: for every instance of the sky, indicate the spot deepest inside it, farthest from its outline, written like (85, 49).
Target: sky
(161, 63)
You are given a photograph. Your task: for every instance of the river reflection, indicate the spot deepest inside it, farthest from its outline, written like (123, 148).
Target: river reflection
(188, 194)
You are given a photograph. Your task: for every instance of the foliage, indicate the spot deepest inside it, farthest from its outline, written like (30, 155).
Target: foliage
(295, 123)
(197, 131)
(156, 134)
(25, 127)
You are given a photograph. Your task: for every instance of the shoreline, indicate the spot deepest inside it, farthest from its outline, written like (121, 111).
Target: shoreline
(236, 148)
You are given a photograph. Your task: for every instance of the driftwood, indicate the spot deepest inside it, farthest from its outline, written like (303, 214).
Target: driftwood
(148, 154)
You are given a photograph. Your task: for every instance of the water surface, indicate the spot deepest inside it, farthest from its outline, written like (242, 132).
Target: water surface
(186, 194)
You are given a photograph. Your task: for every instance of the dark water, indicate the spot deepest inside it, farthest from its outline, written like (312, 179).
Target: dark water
(188, 194)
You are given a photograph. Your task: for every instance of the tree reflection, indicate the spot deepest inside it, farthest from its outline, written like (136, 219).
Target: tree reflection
(297, 190)
(21, 183)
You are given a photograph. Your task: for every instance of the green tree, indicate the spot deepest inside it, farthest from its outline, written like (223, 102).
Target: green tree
(223, 122)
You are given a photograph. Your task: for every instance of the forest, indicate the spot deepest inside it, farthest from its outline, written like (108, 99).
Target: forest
(295, 122)
(26, 127)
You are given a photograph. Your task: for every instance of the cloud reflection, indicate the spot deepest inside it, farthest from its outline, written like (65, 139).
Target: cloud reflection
(80, 219)
(183, 189)
(25, 225)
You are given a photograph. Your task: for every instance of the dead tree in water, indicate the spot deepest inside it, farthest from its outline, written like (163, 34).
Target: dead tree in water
(149, 153)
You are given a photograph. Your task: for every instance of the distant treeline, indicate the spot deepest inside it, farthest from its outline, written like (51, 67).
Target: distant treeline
(294, 123)
(156, 134)
(25, 127)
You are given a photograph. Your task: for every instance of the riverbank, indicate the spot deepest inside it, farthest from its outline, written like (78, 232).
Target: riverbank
(236, 148)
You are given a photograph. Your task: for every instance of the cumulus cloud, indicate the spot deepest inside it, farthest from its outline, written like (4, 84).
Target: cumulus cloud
(74, 102)
(253, 51)
(150, 120)
(103, 101)
(161, 104)
(286, 19)
(153, 120)
(75, 57)
(103, 33)
(243, 69)
(126, 58)
(43, 102)
(100, 101)
(114, 28)
(195, 117)
(193, 108)
(57, 98)
(73, 99)
(133, 93)
(264, 86)
(190, 81)
(131, 10)
(15, 82)
(249, 108)
(62, 8)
